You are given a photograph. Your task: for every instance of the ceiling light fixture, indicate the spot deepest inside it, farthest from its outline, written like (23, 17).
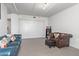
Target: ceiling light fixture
(44, 5)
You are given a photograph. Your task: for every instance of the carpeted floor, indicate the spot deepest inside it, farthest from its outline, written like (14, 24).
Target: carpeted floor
(36, 47)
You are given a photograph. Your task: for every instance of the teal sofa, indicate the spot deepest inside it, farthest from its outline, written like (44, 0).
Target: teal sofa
(12, 47)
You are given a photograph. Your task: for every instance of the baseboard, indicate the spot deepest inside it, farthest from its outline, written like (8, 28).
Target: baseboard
(74, 46)
(34, 38)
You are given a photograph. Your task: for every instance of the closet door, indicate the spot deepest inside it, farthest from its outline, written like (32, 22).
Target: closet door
(32, 28)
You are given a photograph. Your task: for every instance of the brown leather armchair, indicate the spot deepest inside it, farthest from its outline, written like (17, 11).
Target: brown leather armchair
(58, 39)
(50, 41)
(63, 40)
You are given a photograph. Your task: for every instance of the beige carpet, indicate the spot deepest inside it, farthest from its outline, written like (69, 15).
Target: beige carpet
(36, 47)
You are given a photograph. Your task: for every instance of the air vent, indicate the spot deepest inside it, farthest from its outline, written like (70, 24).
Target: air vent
(34, 17)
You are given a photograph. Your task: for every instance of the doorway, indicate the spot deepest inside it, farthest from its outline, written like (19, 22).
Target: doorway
(9, 26)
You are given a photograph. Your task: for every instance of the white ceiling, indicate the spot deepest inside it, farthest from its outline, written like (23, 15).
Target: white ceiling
(35, 10)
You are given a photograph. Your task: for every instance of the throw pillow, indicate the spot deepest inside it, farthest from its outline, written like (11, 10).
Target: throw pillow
(56, 35)
(3, 42)
(12, 38)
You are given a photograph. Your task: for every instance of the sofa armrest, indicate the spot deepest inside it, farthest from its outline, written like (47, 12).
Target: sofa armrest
(18, 37)
(5, 51)
(9, 51)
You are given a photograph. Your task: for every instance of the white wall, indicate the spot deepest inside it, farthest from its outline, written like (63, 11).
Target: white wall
(14, 23)
(67, 21)
(32, 27)
(3, 20)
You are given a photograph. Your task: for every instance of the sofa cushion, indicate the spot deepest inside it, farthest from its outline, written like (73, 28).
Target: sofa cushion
(0, 38)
